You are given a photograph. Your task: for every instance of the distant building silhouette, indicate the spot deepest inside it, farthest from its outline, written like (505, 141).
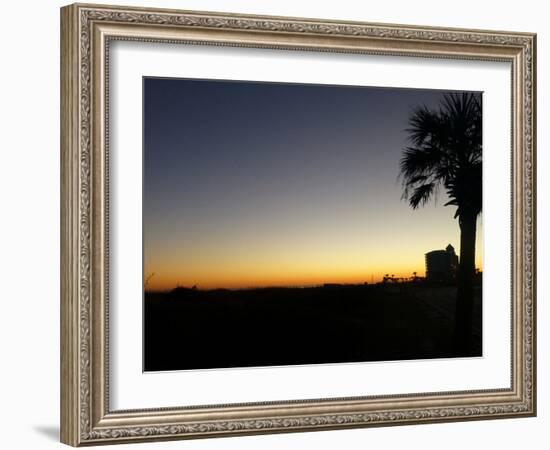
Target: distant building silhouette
(441, 265)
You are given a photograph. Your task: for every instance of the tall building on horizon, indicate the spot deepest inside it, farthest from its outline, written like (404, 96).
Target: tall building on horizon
(441, 265)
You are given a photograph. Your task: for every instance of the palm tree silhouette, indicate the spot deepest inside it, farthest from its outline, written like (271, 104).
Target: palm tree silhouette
(445, 152)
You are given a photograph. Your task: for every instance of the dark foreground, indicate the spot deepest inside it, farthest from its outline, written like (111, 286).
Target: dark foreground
(193, 329)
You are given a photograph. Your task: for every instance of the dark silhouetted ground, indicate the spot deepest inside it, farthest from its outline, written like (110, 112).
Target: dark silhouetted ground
(194, 329)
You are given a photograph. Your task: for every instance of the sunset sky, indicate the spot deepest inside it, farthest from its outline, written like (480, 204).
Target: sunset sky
(269, 184)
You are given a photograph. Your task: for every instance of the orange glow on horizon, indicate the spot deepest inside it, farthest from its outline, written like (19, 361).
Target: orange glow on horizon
(171, 278)
(309, 261)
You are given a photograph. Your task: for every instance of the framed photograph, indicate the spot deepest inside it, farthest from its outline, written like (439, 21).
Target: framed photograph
(273, 224)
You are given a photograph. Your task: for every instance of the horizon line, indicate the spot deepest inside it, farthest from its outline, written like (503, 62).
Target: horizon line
(397, 280)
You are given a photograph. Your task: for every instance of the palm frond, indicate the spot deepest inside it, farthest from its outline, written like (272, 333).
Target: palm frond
(421, 194)
(422, 125)
(419, 161)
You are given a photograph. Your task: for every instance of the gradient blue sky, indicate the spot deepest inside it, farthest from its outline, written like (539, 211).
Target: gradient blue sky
(254, 184)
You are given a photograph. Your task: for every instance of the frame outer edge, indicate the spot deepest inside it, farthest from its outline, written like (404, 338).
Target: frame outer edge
(81, 414)
(533, 231)
(69, 429)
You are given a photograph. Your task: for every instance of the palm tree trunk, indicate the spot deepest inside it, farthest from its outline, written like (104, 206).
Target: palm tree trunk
(465, 292)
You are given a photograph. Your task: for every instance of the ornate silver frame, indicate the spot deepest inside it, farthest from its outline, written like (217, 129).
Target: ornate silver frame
(86, 31)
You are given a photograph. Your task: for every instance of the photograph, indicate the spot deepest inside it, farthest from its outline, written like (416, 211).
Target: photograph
(293, 224)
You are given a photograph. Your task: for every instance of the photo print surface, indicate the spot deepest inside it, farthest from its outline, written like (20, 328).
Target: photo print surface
(290, 224)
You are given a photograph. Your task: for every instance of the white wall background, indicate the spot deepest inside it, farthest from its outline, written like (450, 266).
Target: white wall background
(29, 229)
